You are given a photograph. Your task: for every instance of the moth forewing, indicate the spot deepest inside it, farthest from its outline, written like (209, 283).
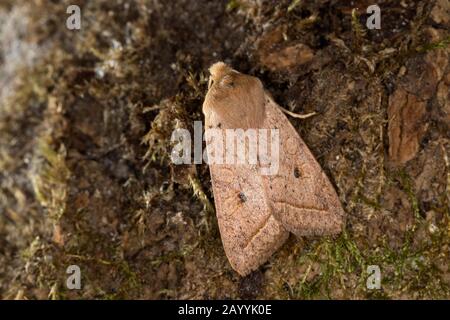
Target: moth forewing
(302, 197)
(250, 234)
(268, 151)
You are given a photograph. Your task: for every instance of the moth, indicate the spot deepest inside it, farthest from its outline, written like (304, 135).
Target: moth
(255, 211)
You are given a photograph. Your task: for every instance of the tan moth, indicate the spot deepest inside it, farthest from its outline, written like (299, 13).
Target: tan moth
(257, 211)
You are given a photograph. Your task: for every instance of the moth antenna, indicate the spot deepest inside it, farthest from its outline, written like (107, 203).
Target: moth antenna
(297, 115)
(290, 113)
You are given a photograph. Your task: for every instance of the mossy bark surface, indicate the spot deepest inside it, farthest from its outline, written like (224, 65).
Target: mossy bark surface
(86, 118)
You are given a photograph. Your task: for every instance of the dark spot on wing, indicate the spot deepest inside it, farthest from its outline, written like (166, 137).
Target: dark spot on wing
(296, 172)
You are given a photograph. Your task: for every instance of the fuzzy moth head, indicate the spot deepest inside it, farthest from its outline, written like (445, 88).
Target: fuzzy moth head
(220, 72)
(234, 100)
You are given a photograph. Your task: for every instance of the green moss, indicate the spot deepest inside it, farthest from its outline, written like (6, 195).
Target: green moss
(293, 5)
(338, 258)
(232, 5)
(443, 44)
(200, 194)
(50, 182)
(359, 31)
(406, 183)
